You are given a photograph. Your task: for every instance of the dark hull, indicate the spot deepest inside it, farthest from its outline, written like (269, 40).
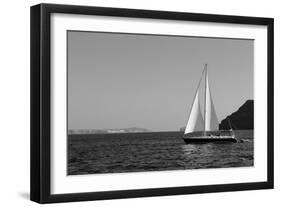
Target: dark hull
(191, 140)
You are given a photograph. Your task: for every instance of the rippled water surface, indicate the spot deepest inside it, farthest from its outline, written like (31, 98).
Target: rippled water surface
(137, 152)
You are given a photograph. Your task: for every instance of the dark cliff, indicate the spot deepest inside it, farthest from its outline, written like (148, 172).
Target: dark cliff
(243, 118)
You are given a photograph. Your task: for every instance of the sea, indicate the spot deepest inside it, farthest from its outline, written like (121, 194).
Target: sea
(153, 151)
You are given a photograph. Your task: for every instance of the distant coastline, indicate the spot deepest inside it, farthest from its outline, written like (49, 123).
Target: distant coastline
(107, 131)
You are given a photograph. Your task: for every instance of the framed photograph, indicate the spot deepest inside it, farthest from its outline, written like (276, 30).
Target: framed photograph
(133, 103)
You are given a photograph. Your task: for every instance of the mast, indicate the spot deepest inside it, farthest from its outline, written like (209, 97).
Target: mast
(211, 119)
(205, 94)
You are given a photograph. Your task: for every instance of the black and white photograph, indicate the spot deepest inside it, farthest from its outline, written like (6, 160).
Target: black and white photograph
(148, 102)
(131, 103)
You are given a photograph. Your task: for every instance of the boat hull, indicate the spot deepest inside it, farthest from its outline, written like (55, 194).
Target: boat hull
(191, 140)
(210, 136)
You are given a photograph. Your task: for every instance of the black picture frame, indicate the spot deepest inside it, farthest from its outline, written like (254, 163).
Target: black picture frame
(41, 98)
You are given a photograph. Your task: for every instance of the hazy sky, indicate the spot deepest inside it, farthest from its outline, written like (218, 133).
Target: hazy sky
(128, 80)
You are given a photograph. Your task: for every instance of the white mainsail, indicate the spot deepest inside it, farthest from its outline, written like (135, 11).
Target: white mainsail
(211, 120)
(195, 121)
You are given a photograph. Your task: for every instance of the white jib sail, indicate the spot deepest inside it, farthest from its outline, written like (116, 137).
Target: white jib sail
(195, 121)
(211, 120)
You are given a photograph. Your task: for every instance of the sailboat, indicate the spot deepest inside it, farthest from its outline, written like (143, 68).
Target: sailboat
(201, 129)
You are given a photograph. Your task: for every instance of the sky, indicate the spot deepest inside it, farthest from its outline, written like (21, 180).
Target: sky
(135, 80)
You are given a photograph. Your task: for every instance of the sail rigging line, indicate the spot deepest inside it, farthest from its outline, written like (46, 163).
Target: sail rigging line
(229, 123)
(194, 97)
(232, 131)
